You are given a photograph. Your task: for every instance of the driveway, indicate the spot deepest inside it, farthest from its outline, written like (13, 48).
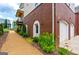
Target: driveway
(72, 44)
(16, 45)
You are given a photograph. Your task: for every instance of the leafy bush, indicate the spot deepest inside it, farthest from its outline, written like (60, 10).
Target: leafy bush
(25, 34)
(1, 29)
(1, 33)
(21, 29)
(63, 51)
(46, 42)
(35, 39)
(6, 30)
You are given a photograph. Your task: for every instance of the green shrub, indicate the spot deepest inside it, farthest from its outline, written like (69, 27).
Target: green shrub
(18, 29)
(46, 42)
(25, 34)
(21, 29)
(63, 51)
(35, 39)
(1, 29)
(1, 33)
(6, 30)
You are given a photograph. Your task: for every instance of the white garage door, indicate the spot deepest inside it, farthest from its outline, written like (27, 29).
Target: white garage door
(71, 30)
(63, 31)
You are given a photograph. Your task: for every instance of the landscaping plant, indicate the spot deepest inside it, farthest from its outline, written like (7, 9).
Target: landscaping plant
(46, 42)
(21, 29)
(35, 39)
(63, 51)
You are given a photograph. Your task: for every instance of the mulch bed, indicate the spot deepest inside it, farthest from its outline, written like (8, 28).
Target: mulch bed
(3, 53)
(52, 53)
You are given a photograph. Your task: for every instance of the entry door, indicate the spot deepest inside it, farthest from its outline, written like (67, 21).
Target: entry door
(63, 31)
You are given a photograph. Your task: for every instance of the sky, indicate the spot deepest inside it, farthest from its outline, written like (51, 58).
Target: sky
(8, 10)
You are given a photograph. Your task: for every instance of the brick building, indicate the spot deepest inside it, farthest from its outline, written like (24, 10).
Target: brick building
(57, 18)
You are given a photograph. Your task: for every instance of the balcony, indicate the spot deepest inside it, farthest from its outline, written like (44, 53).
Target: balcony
(19, 21)
(19, 13)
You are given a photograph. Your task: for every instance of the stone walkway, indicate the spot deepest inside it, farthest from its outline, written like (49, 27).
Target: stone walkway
(16, 45)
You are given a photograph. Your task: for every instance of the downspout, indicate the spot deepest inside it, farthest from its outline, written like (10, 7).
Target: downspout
(53, 18)
(55, 28)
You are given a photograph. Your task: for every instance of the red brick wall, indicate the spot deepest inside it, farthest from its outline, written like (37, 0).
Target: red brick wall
(76, 24)
(62, 12)
(43, 13)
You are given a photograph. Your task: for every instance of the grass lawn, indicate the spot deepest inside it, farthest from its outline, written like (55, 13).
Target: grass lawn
(29, 40)
(6, 30)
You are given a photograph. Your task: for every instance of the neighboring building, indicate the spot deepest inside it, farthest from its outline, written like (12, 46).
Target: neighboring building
(2, 20)
(14, 25)
(77, 20)
(57, 18)
(9, 24)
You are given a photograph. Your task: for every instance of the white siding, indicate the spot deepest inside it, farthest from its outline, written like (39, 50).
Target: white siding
(28, 7)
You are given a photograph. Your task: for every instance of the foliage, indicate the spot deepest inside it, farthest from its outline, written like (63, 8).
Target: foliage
(29, 40)
(21, 29)
(14, 25)
(46, 42)
(1, 29)
(6, 30)
(63, 51)
(35, 39)
(18, 29)
(5, 24)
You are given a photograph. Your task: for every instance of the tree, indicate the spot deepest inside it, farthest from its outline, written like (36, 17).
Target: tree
(5, 23)
(1, 29)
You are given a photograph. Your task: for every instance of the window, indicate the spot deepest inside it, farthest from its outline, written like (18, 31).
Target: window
(36, 28)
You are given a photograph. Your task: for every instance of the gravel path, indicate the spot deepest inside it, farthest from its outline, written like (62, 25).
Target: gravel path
(16, 45)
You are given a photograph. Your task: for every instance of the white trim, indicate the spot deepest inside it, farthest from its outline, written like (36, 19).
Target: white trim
(52, 17)
(71, 31)
(34, 28)
(64, 32)
(64, 22)
(26, 28)
(29, 8)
